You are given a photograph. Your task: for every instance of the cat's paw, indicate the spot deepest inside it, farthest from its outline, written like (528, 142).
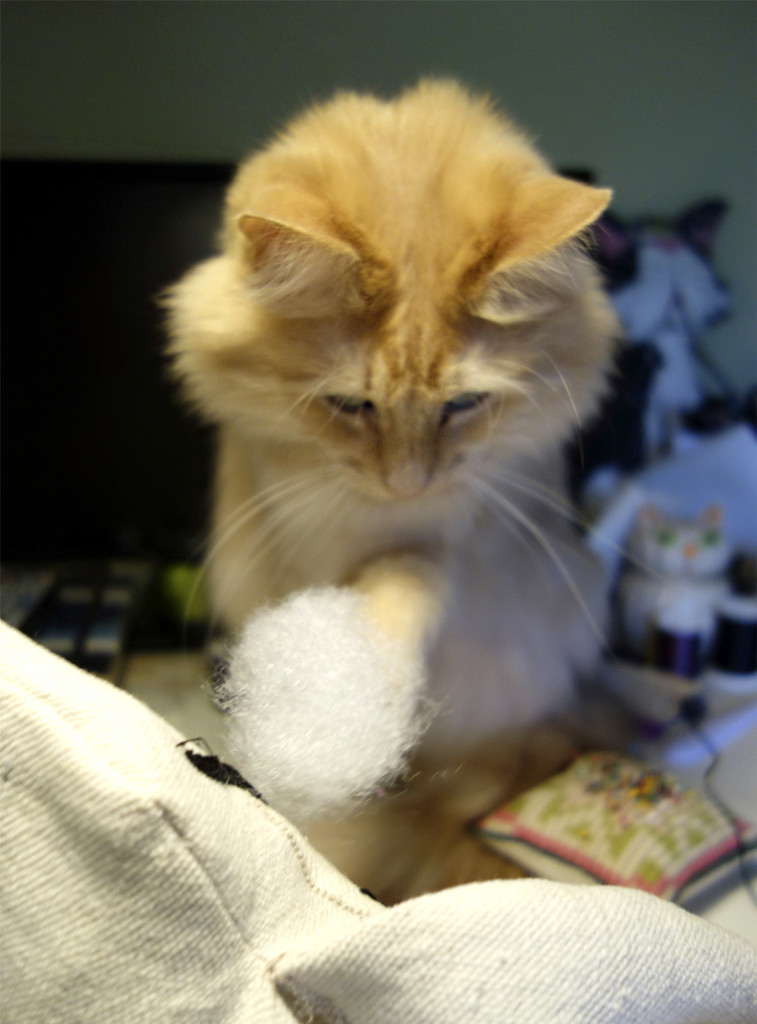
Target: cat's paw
(324, 707)
(406, 596)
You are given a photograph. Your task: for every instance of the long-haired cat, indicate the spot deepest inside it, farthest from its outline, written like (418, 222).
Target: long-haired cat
(401, 330)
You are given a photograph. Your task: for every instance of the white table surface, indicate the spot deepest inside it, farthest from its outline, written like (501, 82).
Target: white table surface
(734, 780)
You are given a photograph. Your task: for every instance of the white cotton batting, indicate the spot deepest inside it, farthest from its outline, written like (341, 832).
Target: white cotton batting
(323, 707)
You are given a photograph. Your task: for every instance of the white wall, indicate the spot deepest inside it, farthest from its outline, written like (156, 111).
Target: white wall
(658, 97)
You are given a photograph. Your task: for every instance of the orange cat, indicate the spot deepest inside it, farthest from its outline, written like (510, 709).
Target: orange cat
(397, 338)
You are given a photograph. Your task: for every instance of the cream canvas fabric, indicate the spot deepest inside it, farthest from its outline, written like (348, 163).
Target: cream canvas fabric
(133, 887)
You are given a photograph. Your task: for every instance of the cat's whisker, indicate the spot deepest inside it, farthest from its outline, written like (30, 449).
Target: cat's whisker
(514, 374)
(289, 515)
(491, 422)
(294, 506)
(325, 503)
(539, 535)
(304, 400)
(547, 496)
(247, 560)
(239, 518)
(300, 510)
(252, 555)
(261, 501)
(517, 374)
(541, 377)
(525, 538)
(564, 383)
(570, 511)
(554, 387)
(525, 392)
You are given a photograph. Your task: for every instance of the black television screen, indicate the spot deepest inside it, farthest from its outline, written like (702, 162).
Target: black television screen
(99, 458)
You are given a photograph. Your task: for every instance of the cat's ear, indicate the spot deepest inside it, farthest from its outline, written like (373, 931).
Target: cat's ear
(650, 516)
(712, 516)
(545, 213)
(296, 273)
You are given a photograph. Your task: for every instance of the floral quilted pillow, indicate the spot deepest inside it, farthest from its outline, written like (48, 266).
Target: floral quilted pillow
(612, 819)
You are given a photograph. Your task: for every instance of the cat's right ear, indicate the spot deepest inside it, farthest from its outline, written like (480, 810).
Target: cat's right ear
(296, 273)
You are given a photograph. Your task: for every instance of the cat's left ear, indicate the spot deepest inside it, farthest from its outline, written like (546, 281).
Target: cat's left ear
(545, 213)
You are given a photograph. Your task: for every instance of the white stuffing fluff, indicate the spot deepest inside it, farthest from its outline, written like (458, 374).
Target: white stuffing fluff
(323, 707)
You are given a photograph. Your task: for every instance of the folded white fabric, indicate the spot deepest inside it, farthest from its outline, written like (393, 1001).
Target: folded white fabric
(138, 882)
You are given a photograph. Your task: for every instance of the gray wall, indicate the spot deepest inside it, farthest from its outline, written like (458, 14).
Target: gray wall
(658, 97)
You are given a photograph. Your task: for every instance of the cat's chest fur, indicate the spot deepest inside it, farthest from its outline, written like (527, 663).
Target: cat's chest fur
(521, 626)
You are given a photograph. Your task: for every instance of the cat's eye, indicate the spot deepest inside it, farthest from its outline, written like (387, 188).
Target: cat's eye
(465, 402)
(350, 405)
(711, 538)
(666, 536)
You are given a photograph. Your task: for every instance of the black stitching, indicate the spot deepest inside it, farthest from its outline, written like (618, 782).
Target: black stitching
(219, 771)
(367, 892)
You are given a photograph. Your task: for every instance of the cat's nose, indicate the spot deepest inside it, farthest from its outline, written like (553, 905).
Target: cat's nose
(408, 479)
(690, 550)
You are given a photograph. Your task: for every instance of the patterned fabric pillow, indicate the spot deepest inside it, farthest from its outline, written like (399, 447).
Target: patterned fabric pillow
(612, 819)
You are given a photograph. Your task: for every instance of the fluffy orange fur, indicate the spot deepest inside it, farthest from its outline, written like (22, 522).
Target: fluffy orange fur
(397, 337)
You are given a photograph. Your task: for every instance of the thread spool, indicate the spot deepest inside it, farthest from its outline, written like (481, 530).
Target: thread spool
(735, 648)
(678, 644)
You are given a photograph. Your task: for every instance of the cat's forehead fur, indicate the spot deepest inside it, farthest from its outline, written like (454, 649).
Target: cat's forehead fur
(433, 163)
(429, 192)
